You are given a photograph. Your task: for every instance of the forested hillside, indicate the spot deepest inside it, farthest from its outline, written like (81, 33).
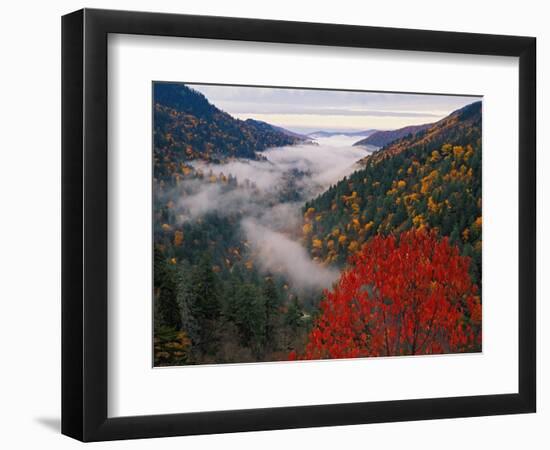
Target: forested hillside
(212, 303)
(382, 138)
(268, 128)
(428, 180)
(188, 127)
(250, 266)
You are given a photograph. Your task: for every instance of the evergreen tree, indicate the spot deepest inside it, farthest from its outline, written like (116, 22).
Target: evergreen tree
(206, 303)
(293, 315)
(250, 317)
(167, 310)
(272, 303)
(205, 290)
(185, 301)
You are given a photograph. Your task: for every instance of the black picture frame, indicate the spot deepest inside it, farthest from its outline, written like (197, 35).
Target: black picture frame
(84, 224)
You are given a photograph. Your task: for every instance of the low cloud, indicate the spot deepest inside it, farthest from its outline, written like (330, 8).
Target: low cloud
(270, 203)
(264, 174)
(328, 162)
(211, 197)
(283, 217)
(309, 169)
(280, 254)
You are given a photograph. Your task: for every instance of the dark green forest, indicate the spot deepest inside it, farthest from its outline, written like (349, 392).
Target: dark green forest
(211, 302)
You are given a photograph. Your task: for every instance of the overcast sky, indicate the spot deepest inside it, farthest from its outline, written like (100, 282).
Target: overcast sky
(305, 110)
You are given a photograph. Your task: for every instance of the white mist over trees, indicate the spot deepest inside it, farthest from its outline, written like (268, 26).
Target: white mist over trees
(271, 222)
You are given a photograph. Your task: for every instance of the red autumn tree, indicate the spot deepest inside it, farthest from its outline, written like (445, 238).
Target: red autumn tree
(400, 296)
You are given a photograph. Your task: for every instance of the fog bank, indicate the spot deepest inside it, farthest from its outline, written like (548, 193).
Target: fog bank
(279, 254)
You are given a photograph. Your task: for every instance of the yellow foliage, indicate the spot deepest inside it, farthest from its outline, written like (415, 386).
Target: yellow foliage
(166, 227)
(477, 222)
(342, 240)
(418, 221)
(432, 205)
(173, 261)
(435, 156)
(353, 246)
(466, 234)
(458, 151)
(427, 181)
(401, 184)
(309, 213)
(446, 148)
(411, 198)
(469, 152)
(307, 228)
(178, 238)
(317, 243)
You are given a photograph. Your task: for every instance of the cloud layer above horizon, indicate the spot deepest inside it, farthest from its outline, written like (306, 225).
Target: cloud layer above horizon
(308, 110)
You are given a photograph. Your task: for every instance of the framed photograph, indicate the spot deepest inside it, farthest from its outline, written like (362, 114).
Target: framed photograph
(274, 225)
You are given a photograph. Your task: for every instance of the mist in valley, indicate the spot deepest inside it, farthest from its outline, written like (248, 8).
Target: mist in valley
(267, 197)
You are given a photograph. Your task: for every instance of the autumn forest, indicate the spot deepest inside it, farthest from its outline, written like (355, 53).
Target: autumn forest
(294, 224)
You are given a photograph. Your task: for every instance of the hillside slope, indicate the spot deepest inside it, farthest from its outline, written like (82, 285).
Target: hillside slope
(188, 127)
(431, 179)
(381, 138)
(264, 126)
(460, 127)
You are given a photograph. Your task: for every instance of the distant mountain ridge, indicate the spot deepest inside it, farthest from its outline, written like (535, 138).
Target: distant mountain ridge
(188, 127)
(322, 133)
(269, 128)
(381, 138)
